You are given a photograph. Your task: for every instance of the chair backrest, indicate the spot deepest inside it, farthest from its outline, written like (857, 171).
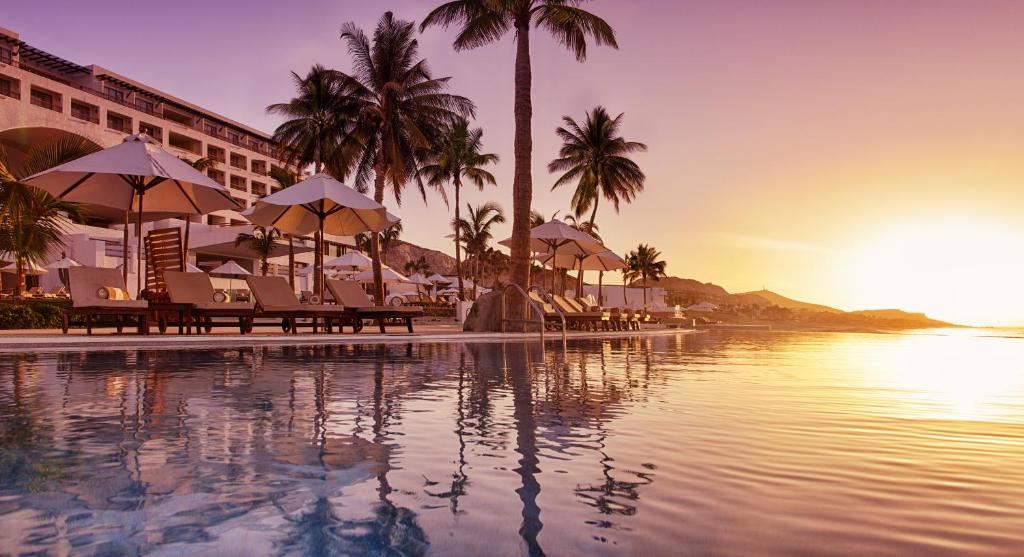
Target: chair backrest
(349, 294)
(188, 288)
(163, 253)
(271, 291)
(563, 304)
(85, 281)
(536, 297)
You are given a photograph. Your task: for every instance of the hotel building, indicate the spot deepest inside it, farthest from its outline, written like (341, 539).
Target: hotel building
(43, 97)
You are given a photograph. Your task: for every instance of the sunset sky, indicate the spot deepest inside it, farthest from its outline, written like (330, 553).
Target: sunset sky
(856, 154)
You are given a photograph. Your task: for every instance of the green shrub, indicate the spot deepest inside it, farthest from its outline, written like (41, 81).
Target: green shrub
(19, 316)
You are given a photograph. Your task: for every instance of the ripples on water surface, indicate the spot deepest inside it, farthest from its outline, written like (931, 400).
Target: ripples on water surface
(720, 444)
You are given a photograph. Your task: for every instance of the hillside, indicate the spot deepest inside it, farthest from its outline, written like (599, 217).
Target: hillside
(401, 252)
(783, 302)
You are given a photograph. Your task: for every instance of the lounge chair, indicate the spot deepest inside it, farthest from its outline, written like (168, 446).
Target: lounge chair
(196, 289)
(351, 296)
(275, 299)
(553, 318)
(86, 301)
(577, 315)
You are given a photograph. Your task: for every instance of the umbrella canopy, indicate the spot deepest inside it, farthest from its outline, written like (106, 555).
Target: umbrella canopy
(29, 268)
(120, 177)
(437, 278)
(558, 237)
(299, 209)
(389, 274)
(418, 278)
(231, 269)
(351, 260)
(134, 176)
(603, 261)
(63, 263)
(190, 268)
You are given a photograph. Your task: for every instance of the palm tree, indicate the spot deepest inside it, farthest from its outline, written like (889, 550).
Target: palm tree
(629, 274)
(260, 241)
(420, 265)
(644, 264)
(388, 236)
(476, 233)
(486, 21)
(588, 227)
(399, 112)
(596, 158)
(456, 157)
(287, 179)
(316, 120)
(33, 222)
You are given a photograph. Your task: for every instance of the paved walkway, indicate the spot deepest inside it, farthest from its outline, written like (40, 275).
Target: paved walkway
(108, 339)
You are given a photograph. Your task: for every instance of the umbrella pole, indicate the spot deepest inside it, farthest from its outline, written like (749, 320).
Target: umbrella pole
(554, 257)
(124, 254)
(600, 279)
(320, 271)
(184, 248)
(138, 230)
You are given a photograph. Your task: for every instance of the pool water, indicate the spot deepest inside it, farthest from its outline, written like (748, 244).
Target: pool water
(682, 444)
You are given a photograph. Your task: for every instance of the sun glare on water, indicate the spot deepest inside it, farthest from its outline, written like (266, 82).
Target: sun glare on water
(964, 271)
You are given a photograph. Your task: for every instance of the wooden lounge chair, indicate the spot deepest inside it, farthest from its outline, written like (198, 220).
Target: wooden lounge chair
(275, 299)
(576, 315)
(351, 296)
(86, 302)
(196, 289)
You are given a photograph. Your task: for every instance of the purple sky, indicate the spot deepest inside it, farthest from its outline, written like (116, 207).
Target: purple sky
(786, 138)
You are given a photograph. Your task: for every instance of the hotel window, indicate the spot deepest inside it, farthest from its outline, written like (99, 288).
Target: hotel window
(10, 87)
(210, 129)
(259, 188)
(145, 106)
(114, 94)
(120, 123)
(238, 183)
(237, 161)
(46, 99)
(216, 176)
(259, 167)
(215, 153)
(185, 143)
(151, 130)
(234, 137)
(85, 111)
(240, 202)
(6, 56)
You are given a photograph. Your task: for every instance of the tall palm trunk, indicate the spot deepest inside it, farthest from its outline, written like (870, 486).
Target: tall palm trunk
(291, 261)
(522, 183)
(645, 291)
(624, 281)
(458, 247)
(318, 256)
(476, 274)
(20, 288)
(378, 277)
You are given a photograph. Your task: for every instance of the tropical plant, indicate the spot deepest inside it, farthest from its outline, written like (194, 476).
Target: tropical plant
(261, 241)
(287, 179)
(456, 157)
(644, 263)
(420, 265)
(476, 233)
(596, 158)
(33, 222)
(486, 21)
(387, 237)
(315, 120)
(398, 112)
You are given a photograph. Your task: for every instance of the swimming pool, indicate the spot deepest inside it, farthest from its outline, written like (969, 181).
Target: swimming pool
(704, 444)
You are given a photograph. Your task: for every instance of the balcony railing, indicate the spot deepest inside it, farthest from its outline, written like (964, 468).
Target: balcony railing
(120, 125)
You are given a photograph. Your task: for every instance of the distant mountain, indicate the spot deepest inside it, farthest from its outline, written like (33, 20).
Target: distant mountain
(401, 252)
(783, 302)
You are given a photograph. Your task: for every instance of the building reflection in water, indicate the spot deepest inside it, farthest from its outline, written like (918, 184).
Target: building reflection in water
(280, 446)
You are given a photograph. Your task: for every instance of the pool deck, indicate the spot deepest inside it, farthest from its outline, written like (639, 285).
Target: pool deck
(51, 340)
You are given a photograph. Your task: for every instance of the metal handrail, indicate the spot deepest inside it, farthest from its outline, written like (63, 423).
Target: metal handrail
(540, 311)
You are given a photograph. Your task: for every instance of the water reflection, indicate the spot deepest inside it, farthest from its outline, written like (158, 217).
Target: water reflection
(731, 444)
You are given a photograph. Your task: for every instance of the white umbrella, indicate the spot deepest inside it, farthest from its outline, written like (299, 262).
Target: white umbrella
(437, 278)
(190, 268)
(29, 268)
(603, 261)
(390, 275)
(62, 265)
(231, 270)
(126, 175)
(418, 278)
(555, 237)
(353, 260)
(319, 204)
